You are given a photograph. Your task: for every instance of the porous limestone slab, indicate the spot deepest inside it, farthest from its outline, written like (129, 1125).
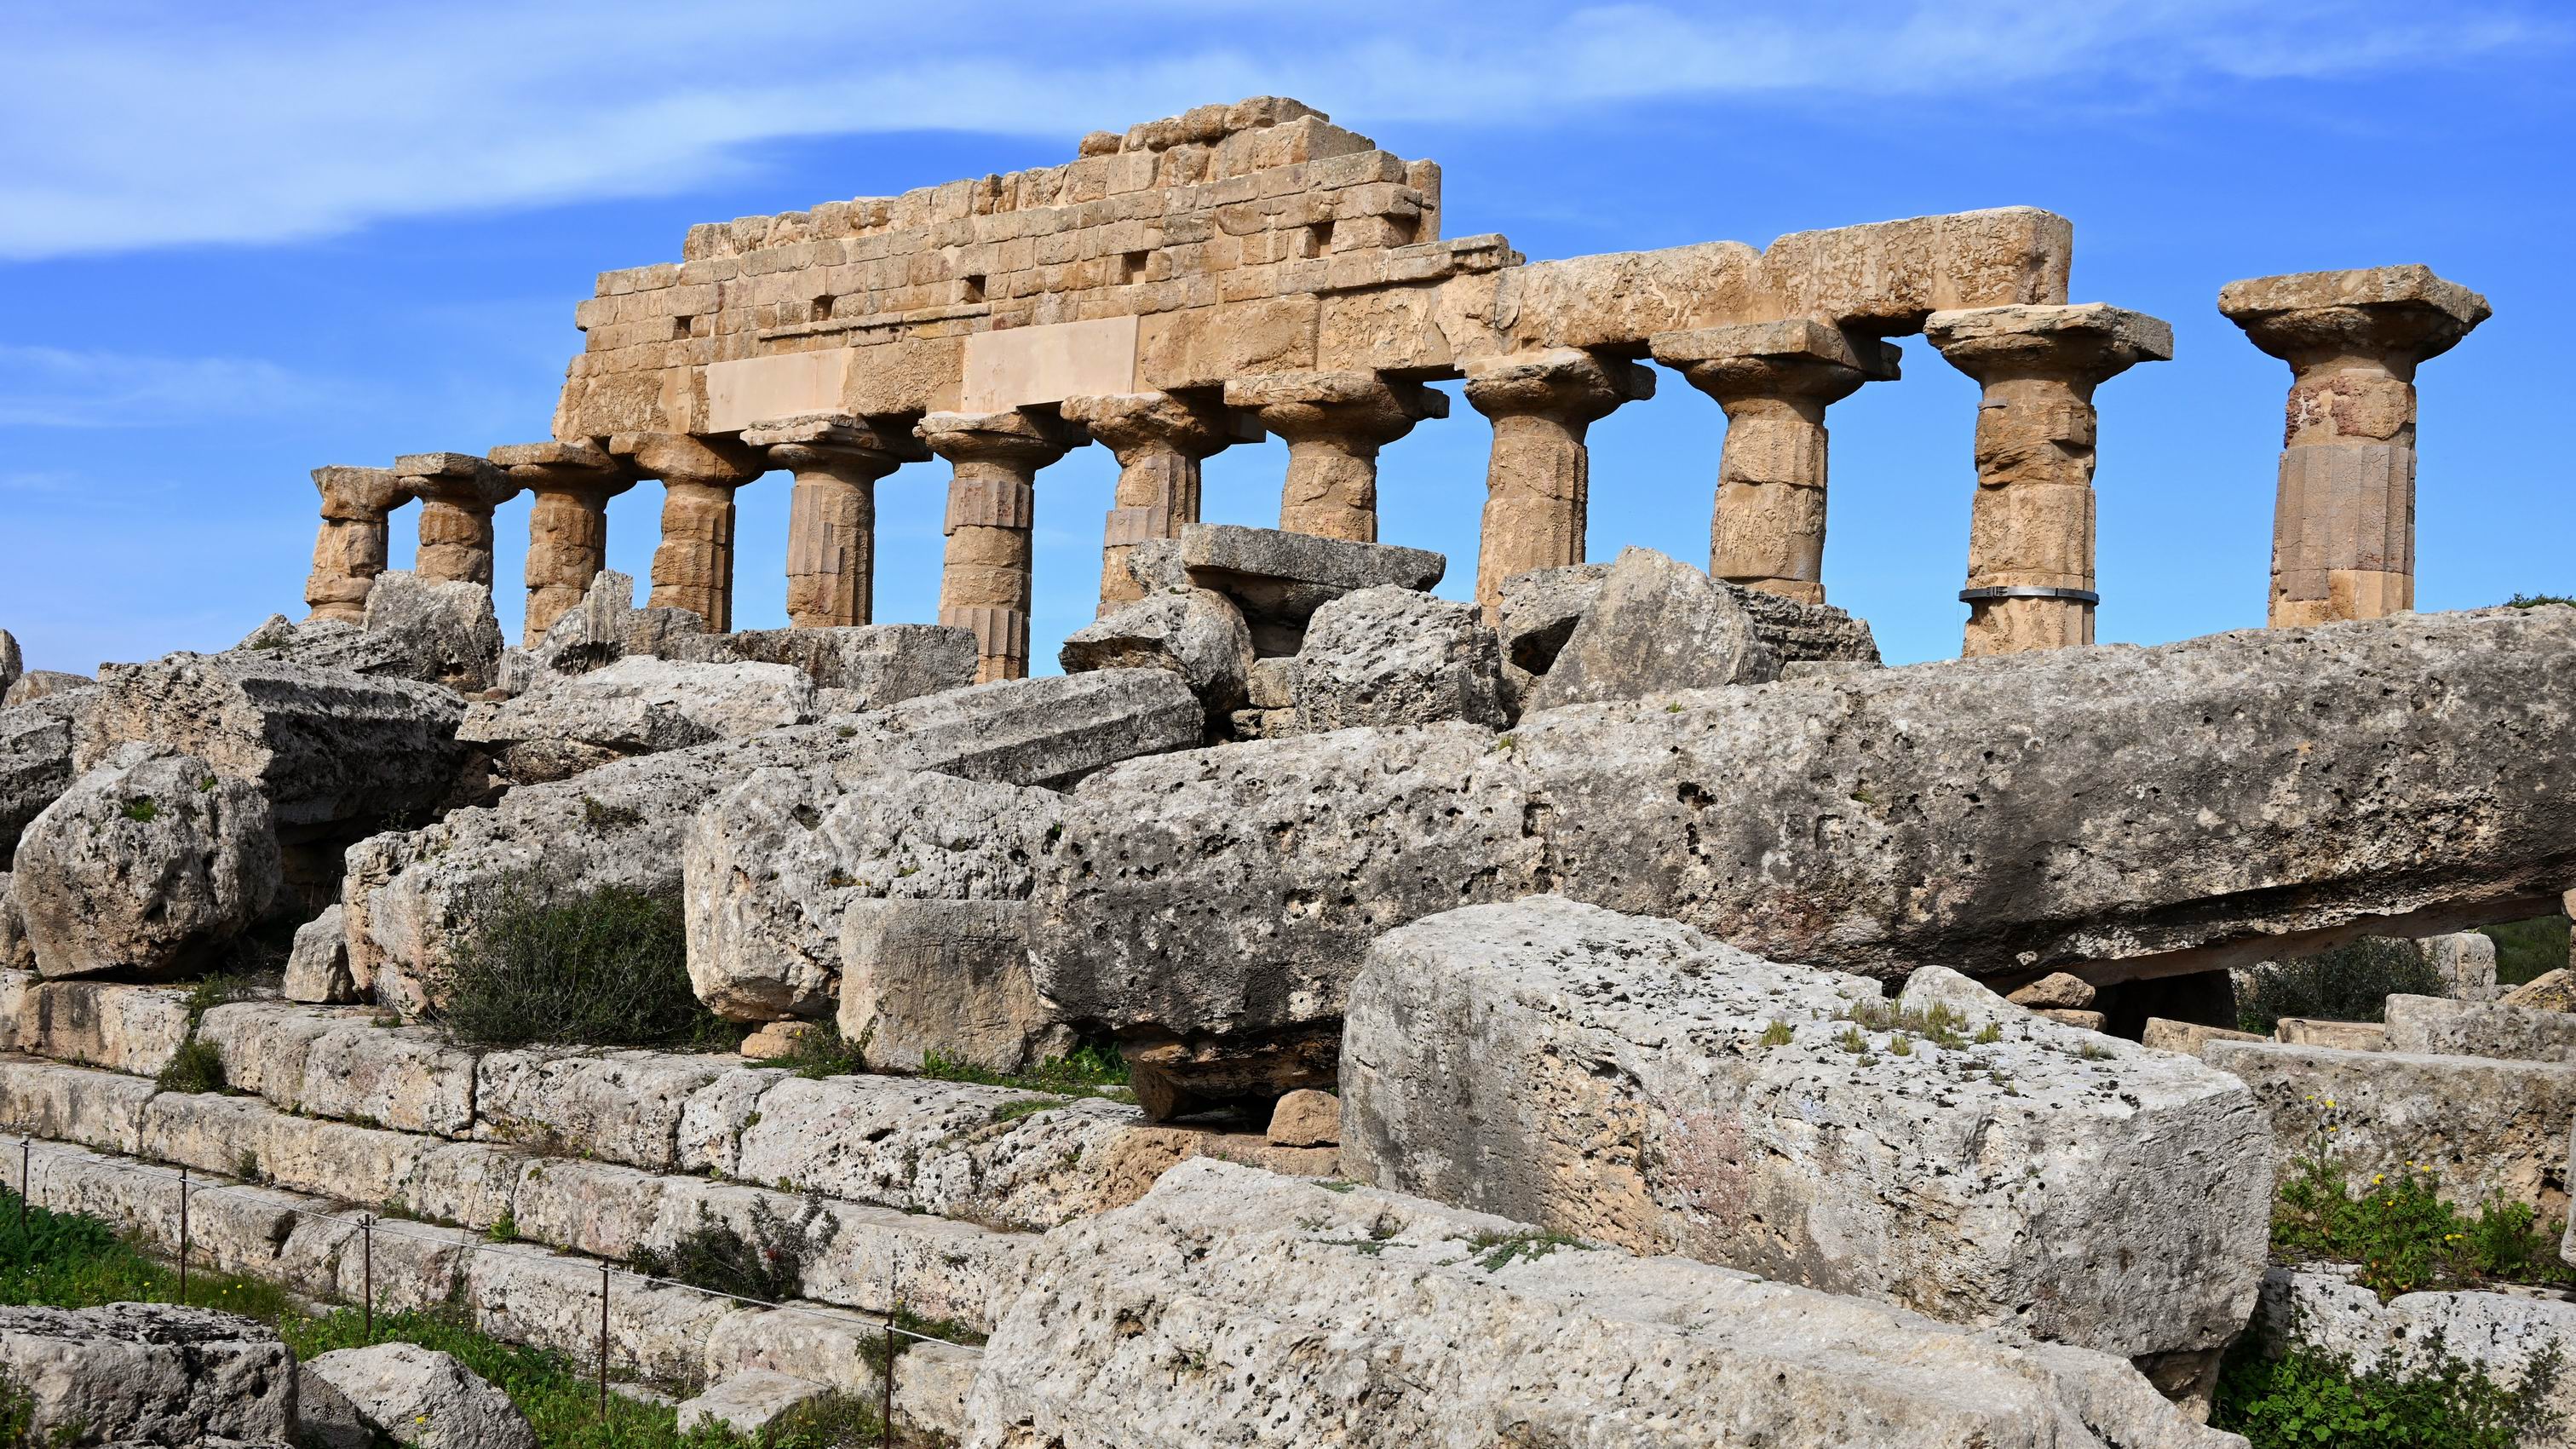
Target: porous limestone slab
(619, 1106)
(1394, 656)
(2507, 1336)
(2446, 1027)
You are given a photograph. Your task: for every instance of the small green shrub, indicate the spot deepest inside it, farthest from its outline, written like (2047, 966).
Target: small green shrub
(1777, 1034)
(198, 1066)
(822, 1053)
(504, 1229)
(2350, 982)
(2525, 949)
(539, 960)
(142, 809)
(2295, 1399)
(2403, 1235)
(767, 1264)
(2534, 601)
(1091, 1070)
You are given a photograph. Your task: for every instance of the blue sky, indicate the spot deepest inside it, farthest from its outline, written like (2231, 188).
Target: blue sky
(237, 246)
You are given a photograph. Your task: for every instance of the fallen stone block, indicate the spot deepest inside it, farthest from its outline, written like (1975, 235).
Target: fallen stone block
(436, 633)
(144, 865)
(1049, 731)
(2512, 1338)
(408, 1394)
(2489, 1128)
(317, 968)
(2466, 960)
(2351, 1036)
(944, 977)
(1657, 625)
(932, 1382)
(1278, 579)
(2188, 1037)
(1307, 1118)
(2442, 1026)
(602, 629)
(636, 706)
(1211, 907)
(1230, 1305)
(1194, 633)
(1536, 613)
(35, 761)
(622, 1106)
(1634, 1083)
(2548, 991)
(43, 684)
(328, 748)
(866, 667)
(828, 1346)
(149, 1373)
(771, 868)
(746, 1402)
(1391, 656)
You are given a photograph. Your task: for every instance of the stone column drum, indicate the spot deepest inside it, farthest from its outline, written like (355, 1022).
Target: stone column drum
(1539, 477)
(1160, 440)
(1334, 423)
(2343, 528)
(832, 515)
(693, 564)
(2030, 529)
(349, 550)
(457, 493)
(984, 585)
(571, 484)
(1774, 379)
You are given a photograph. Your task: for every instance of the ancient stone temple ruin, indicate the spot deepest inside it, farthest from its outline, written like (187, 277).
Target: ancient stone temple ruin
(1611, 1008)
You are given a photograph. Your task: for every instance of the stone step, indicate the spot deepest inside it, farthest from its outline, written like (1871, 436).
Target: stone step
(516, 1292)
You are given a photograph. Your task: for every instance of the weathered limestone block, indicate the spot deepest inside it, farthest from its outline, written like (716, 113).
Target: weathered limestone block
(1621, 1079)
(408, 1394)
(131, 1029)
(771, 867)
(317, 968)
(96, 1109)
(1307, 1118)
(39, 684)
(524, 1294)
(747, 1402)
(35, 760)
(632, 707)
(149, 1373)
(446, 629)
(920, 976)
(2506, 1336)
(328, 748)
(1195, 633)
(2465, 959)
(1211, 907)
(1657, 625)
(2548, 991)
(1278, 579)
(621, 1106)
(145, 862)
(932, 1382)
(15, 954)
(1391, 656)
(326, 1062)
(2355, 1036)
(1536, 612)
(2275, 788)
(1048, 732)
(1195, 1315)
(2188, 1037)
(2490, 1127)
(872, 666)
(12, 662)
(606, 627)
(2440, 1026)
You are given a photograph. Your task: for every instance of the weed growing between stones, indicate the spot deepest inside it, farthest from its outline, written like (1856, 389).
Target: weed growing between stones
(2401, 1233)
(2287, 1398)
(1496, 1251)
(767, 1264)
(822, 1052)
(2350, 982)
(197, 1066)
(1092, 1070)
(542, 961)
(1941, 1025)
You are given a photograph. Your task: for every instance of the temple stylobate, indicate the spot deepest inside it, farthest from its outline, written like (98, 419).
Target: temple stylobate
(1253, 269)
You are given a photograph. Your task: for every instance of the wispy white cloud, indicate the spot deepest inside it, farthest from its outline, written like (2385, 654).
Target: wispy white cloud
(182, 126)
(54, 387)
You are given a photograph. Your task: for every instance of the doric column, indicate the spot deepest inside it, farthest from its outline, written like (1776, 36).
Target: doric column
(693, 564)
(1775, 380)
(832, 516)
(457, 493)
(1334, 423)
(1160, 440)
(567, 522)
(349, 551)
(1538, 479)
(984, 584)
(2343, 528)
(2030, 530)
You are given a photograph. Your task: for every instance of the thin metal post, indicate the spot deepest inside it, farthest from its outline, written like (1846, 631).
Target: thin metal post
(26, 1187)
(183, 1235)
(894, 1310)
(367, 1270)
(603, 1340)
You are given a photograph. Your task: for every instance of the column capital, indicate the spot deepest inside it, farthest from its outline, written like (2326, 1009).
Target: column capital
(359, 493)
(1365, 408)
(1799, 357)
(1193, 426)
(2084, 344)
(720, 462)
(1567, 383)
(460, 479)
(582, 467)
(837, 442)
(1007, 437)
(2399, 316)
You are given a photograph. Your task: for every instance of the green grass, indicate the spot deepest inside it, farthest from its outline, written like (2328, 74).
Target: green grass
(2301, 1400)
(1090, 1071)
(541, 960)
(2525, 949)
(69, 1261)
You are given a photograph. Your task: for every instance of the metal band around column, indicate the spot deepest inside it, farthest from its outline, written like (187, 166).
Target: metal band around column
(2028, 591)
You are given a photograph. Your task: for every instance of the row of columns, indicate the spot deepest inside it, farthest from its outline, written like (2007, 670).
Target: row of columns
(2343, 536)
